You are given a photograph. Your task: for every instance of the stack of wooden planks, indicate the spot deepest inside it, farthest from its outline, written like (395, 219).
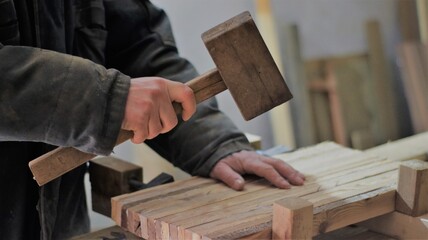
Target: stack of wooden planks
(413, 62)
(344, 186)
(348, 99)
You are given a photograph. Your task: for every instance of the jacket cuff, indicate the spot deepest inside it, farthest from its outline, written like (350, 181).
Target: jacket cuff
(115, 111)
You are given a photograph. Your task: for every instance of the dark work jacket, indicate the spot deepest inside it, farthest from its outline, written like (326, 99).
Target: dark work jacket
(65, 69)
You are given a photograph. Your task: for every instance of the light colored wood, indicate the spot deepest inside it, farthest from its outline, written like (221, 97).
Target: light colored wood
(303, 121)
(255, 141)
(398, 225)
(213, 211)
(408, 20)
(292, 219)
(412, 191)
(362, 139)
(412, 59)
(343, 81)
(383, 107)
(412, 147)
(422, 9)
(280, 116)
(348, 211)
(122, 202)
(351, 77)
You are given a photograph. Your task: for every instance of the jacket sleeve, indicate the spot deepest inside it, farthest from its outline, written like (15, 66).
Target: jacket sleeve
(59, 99)
(145, 47)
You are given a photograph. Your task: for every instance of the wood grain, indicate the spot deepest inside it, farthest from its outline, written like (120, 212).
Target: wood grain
(249, 61)
(343, 183)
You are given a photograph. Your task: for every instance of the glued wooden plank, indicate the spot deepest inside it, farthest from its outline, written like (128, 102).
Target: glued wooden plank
(121, 203)
(412, 191)
(210, 210)
(348, 211)
(292, 219)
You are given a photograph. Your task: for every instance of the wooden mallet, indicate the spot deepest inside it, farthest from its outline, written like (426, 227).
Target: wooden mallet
(244, 66)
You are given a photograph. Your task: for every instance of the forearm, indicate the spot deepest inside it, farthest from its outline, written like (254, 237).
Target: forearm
(59, 99)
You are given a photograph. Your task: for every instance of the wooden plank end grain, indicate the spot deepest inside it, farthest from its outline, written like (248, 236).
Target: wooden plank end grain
(412, 191)
(292, 219)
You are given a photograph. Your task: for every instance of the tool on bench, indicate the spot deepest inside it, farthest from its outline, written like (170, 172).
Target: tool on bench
(244, 66)
(160, 179)
(111, 177)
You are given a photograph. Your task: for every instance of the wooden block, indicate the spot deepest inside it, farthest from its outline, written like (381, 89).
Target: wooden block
(110, 176)
(255, 141)
(412, 192)
(292, 219)
(399, 225)
(101, 203)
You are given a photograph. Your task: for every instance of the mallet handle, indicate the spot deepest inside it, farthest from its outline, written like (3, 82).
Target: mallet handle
(63, 159)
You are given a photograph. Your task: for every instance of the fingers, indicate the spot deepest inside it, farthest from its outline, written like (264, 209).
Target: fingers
(285, 170)
(184, 95)
(223, 172)
(277, 172)
(269, 172)
(149, 111)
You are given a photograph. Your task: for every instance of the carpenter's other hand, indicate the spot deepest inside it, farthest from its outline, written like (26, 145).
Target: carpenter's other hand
(279, 173)
(149, 110)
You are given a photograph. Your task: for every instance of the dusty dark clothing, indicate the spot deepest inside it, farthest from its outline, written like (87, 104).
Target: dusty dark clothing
(51, 97)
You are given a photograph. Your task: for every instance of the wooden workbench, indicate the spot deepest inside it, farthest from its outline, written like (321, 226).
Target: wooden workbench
(343, 187)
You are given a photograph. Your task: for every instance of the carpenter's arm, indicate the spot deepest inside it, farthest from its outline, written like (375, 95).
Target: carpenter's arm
(209, 144)
(59, 99)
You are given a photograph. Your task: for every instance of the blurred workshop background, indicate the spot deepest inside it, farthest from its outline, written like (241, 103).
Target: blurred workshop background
(357, 70)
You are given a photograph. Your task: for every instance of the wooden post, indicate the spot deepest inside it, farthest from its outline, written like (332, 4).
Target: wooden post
(382, 102)
(110, 177)
(292, 219)
(280, 116)
(303, 121)
(412, 191)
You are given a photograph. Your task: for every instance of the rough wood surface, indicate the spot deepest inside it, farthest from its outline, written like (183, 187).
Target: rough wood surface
(412, 57)
(412, 191)
(399, 225)
(261, 86)
(340, 183)
(292, 219)
(383, 107)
